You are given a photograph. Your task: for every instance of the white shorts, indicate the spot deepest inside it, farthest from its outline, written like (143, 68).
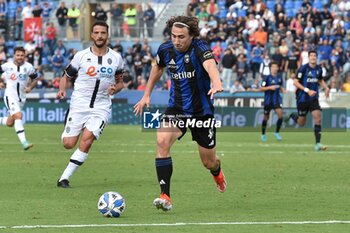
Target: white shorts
(94, 121)
(13, 105)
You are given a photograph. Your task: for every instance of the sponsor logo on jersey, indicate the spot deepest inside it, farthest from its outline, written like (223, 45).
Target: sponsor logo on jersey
(105, 72)
(312, 80)
(183, 75)
(172, 64)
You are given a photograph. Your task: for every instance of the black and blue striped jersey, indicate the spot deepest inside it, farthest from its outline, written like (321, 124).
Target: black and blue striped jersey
(309, 77)
(272, 97)
(190, 82)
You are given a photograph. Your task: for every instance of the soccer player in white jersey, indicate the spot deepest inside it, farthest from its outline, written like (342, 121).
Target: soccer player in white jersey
(20, 78)
(97, 71)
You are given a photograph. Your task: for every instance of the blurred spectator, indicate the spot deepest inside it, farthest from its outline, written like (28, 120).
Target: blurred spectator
(100, 13)
(346, 85)
(217, 51)
(146, 59)
(295, 25)
(35, 58)
(149, 18)
(292, 64)
(259, 7)
(57, 62)
(37, 11)
(251, 25)
(39, 42)
(237, 87)
(138, 65)
(289, 99)
(130, 14)
(27, 10)
(264, 69)
(212, 8)
(3, 11)
(228, 65)
(257, 58)
(241, 68)
(140, 21)
(19, 24)
(260, 36)
(141, 83)
(73, 15)
(128, 80)
(117, 20)
(129, 59)
(2, 54)
(118, 47)
(50, 34)
(29, 47)
(61, 15)
(47, 8)
(191, 8)
(60, 46)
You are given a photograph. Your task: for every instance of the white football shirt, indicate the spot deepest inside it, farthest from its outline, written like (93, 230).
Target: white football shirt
(94, 74)
(17, 78)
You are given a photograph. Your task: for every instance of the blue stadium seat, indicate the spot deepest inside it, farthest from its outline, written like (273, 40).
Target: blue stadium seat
(241, 13)
(318, 4)
(290, 12)
(289, 4)
(297, 4)
(223, 13)
(270, 5)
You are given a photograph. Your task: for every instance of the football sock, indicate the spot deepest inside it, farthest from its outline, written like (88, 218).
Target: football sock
(294, 117)
(3, 120)
(76, 160)
(263, 126)
(164, 167)
(216, 172)
(278, 125)
(20, 130)
(317, 130)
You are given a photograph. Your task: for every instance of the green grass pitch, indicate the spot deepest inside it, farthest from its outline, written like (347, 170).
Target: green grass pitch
(272, 183)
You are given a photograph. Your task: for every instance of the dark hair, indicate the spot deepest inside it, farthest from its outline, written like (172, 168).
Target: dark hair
(99, 23)
(19, 48)
(191, 22)
(273, 63)
(311, 51)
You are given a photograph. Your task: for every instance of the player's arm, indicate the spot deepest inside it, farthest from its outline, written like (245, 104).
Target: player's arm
(61, 94)
(155, 75)
(300, 86)
(33, 76)
(210, 67)
(119, 85)
(323, 84)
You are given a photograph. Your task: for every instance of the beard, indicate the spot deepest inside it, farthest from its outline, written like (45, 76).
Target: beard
(100, 45)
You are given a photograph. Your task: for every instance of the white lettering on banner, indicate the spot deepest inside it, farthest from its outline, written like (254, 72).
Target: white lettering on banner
(221, 102)
(232, 119)
(239, 102)
(209, 123)
(54, 115)
(256, 103)
(339, 121)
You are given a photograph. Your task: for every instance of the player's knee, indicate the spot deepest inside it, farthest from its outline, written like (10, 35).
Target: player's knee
(10, 124)
(85, 145)
(209, 164)
(68, 144)
(163, 143)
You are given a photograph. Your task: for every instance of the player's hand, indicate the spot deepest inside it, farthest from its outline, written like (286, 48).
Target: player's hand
(215, 89)
(311, 93)
(112, 89)
(138, 108)
(61, 94)
(326, 92)
(27, 89)
(273, 87)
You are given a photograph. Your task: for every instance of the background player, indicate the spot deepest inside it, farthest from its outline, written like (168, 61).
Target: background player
(194, 81)
(20, 77)
(98, 71)
(272, 85)
(309, 77)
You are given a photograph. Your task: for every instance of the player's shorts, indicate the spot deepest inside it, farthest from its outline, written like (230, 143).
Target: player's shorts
(305, 107)
(204, 136)
(268, 108)
(76, 122)
(13, 105)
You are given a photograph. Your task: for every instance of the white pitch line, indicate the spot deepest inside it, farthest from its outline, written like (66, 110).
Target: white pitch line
(177, 224)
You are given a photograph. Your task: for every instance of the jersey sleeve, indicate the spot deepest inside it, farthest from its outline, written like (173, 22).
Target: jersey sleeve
(32, 73)
(160, 56)
(264, 81)
(300, 73)
(203, 51)
(323, 72)
(72, 69)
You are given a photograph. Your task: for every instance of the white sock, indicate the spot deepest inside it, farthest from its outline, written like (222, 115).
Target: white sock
(20, 130)
(3, 120)
(76, 160)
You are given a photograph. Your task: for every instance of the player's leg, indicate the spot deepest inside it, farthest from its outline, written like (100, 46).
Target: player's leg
(264, 123)
(206, 140)
(213, 164)
(166, 137)
(279, 112)
(300, 117)
(316, 115)
(15, 119)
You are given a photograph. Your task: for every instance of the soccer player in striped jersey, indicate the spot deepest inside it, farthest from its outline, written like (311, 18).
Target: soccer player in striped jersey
(20, 77)
(272, 85)
(194, 82)
(97, 71)
(309, 78)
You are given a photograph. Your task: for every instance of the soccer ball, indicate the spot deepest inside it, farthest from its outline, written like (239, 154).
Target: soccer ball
(111, 204)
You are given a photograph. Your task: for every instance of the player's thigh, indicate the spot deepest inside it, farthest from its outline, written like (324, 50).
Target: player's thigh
(167, 135)
(74, 125)
(279, 112)
(96, 124)
(13, 105)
